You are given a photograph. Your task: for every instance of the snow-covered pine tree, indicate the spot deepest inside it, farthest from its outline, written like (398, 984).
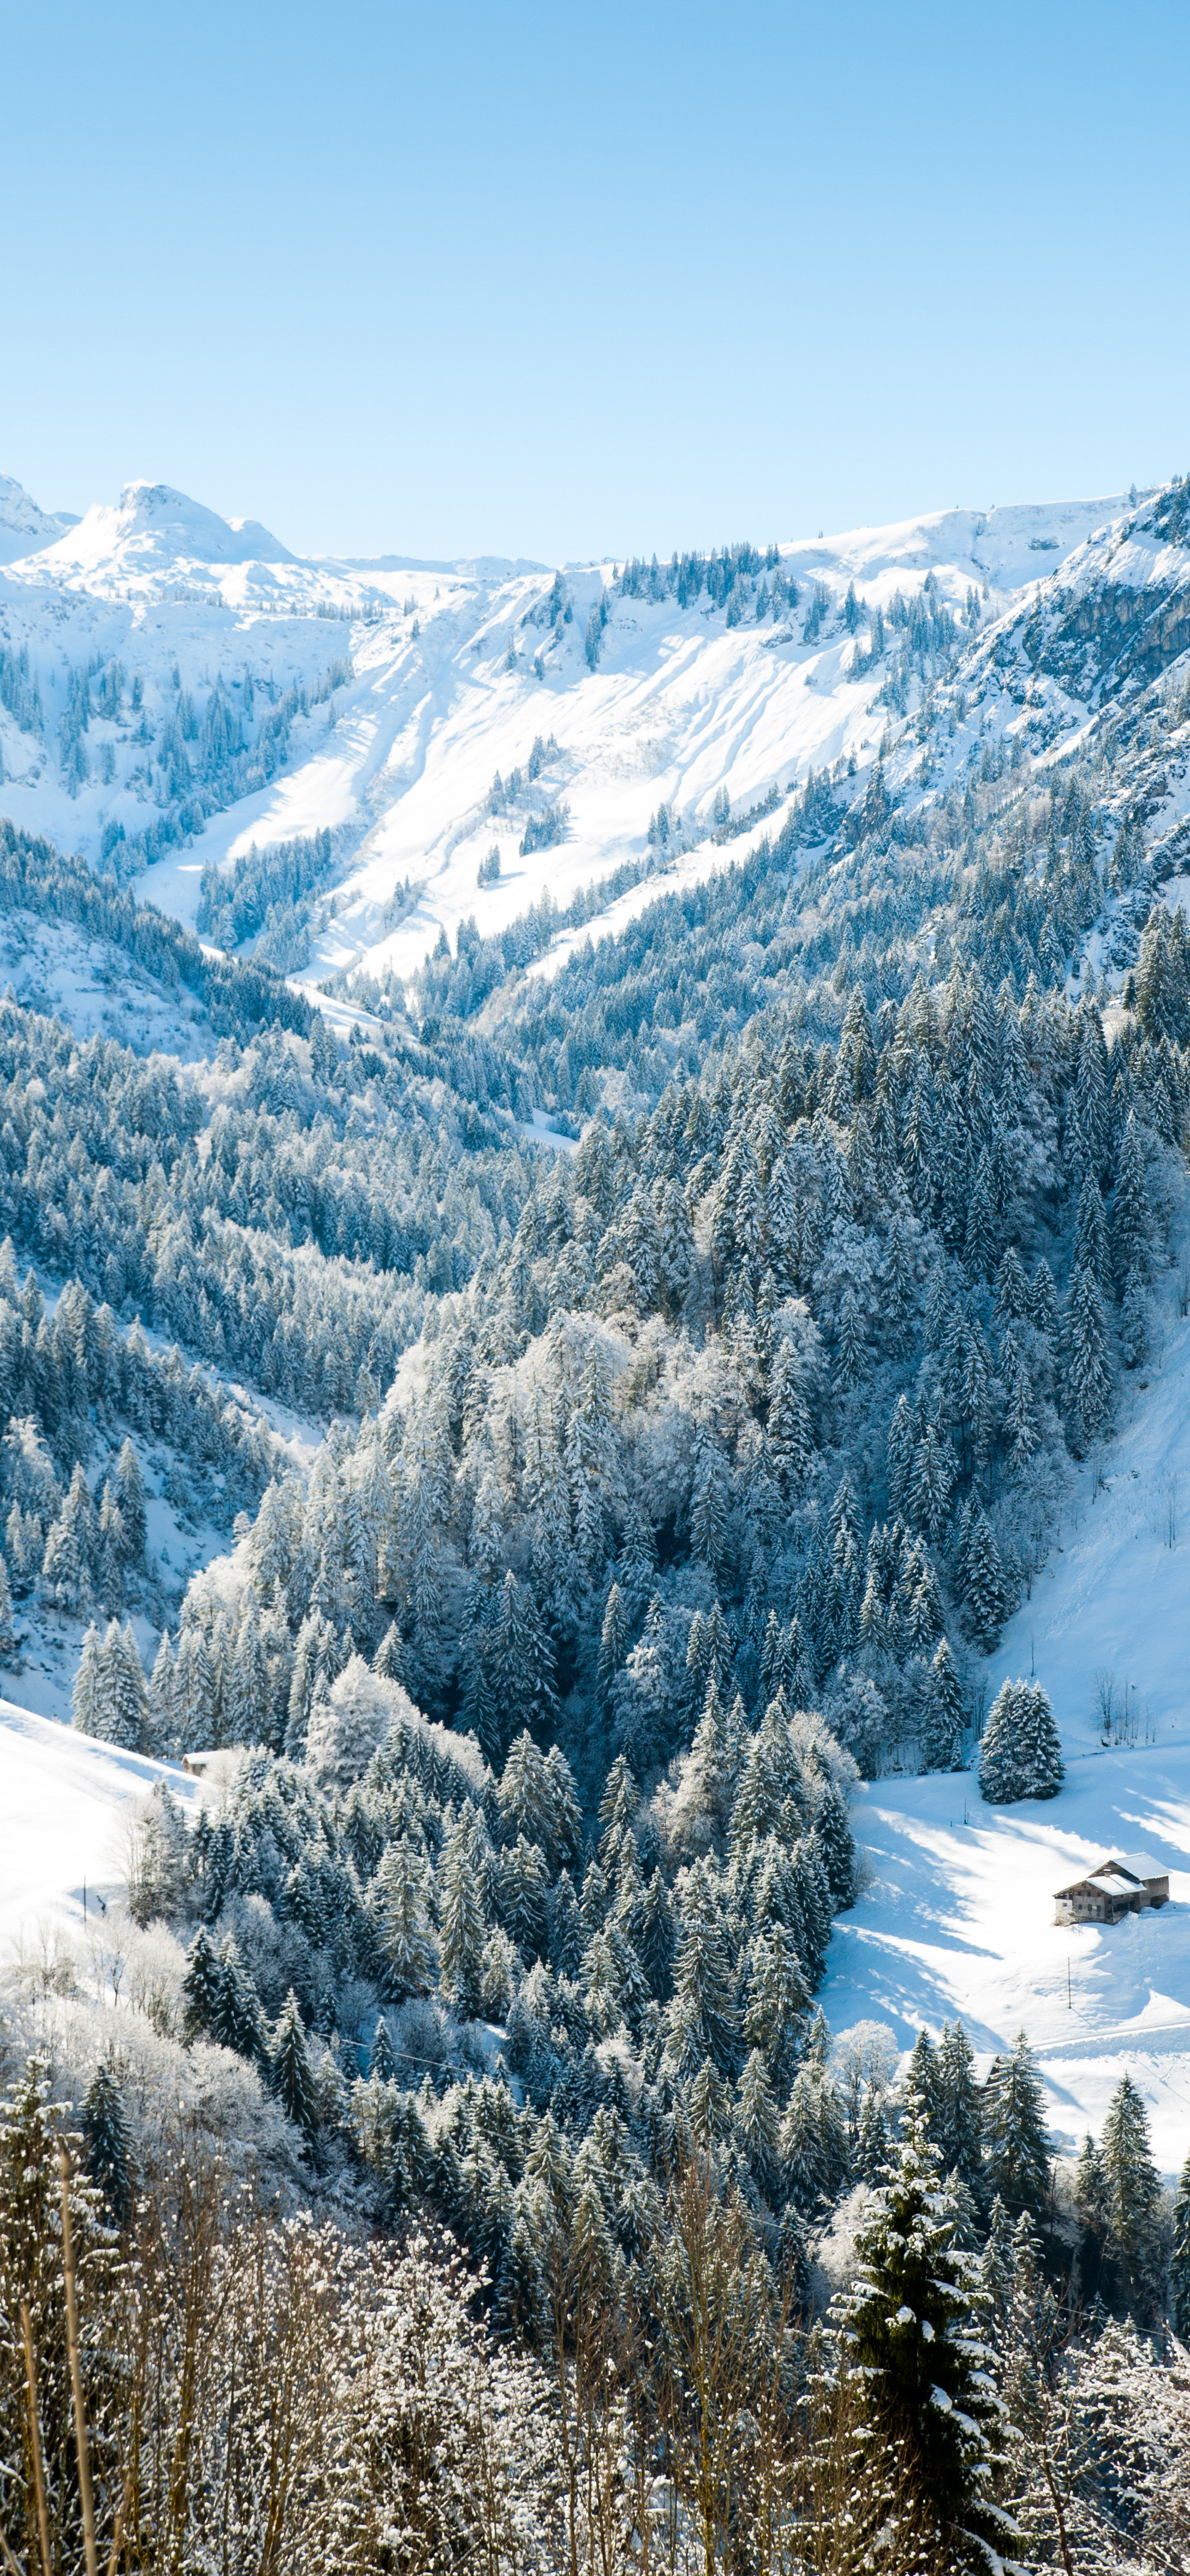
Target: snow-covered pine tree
(1132, 2203)
(912, 2326)
(1016, 2144)
(1087, 1373)
(106, 2143)
(1020, 1755)
(944, 1714)
(292, 2076)
(202, 1987)
(400, 1897)
(985, 1602)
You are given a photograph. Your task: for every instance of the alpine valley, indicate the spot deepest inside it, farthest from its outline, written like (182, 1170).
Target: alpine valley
(594, 1486)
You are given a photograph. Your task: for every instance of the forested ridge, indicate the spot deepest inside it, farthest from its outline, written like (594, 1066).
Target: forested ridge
(673, 1476)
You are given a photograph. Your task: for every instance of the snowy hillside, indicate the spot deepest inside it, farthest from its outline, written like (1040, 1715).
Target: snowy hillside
(66, 1803)
(178, 687)
(23, 527)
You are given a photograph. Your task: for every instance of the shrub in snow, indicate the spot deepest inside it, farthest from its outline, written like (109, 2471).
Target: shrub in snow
(1021, 1755)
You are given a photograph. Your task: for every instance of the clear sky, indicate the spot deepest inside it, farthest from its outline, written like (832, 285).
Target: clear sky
(493, 276)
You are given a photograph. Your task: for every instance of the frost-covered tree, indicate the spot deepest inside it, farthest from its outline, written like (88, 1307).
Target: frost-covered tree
(1020, 1755)
(913, 2328)
(346, 1727)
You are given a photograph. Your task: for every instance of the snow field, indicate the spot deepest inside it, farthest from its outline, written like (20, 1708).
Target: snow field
(957, 1923)
(65, 1806)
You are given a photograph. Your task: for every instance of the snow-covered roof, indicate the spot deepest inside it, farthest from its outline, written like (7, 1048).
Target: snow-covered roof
(1138, 1869)
(1139, 1865)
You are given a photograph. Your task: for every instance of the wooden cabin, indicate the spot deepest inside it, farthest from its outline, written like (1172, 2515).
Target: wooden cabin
(1114, 1887)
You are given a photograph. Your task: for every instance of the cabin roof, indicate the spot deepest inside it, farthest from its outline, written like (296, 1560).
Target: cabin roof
(1116, 1876)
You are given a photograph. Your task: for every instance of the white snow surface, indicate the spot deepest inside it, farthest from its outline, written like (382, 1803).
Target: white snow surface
(65, 1806)
(452, 681)
(958, 1920)
(23, 526)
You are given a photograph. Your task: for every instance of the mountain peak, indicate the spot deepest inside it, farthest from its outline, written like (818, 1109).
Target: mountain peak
(24, 528)
(153, 530)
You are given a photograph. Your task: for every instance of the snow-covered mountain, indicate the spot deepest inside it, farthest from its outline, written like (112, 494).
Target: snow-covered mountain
(420, 744)
(177, 686)
(23, 527)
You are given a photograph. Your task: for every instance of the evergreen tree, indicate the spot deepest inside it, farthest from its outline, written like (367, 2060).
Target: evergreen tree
(400, 1900)
(702, 2017)
(957, 2127)
(613, 1643)
(238, 2021)
(985, 1592)
(757, 2126)
(802, 2161)
(105, 2138)
(202, 1988)
(1021, 1753)
(1132, 2197)
(1090, 1235)
(1087, 1376)
(1179, 2261)
(462, 1877)
(129, 1491)
(382, 2064)
(1132, 1222)
(292, 2074)
(944, 1714)
(912, 2329)
(920, 2087)
(1016, 2145)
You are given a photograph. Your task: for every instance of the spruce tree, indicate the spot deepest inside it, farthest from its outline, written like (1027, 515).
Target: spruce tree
(913, 2330)
(985, 1592)
(1179, 2261)
(202, 1988)
(1132, 1223)
(1016, 2144)
(757, 2126)
(1087, 1373)
(944, 1714)
(400, 1902)
(957, 2127)
(105, 2138)
(291, 2073)
(1021, 1752)
(1132, 2197)
(382, 2064)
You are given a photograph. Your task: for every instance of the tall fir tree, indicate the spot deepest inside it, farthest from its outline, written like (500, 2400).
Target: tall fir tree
(913, 2330)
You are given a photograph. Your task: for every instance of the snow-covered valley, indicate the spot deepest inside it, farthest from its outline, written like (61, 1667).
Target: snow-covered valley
(656, 743)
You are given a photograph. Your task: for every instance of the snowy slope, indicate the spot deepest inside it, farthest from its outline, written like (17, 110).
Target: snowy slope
(958, 1923)
(23, 526)
(959, 1917)
(65, 1806)
(1113, 1598)
(456, 671)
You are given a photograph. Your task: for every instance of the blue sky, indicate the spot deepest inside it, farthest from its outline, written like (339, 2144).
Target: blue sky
(557, 280)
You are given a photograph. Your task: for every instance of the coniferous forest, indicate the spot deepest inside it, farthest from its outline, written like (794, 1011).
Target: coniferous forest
(444, 2159)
